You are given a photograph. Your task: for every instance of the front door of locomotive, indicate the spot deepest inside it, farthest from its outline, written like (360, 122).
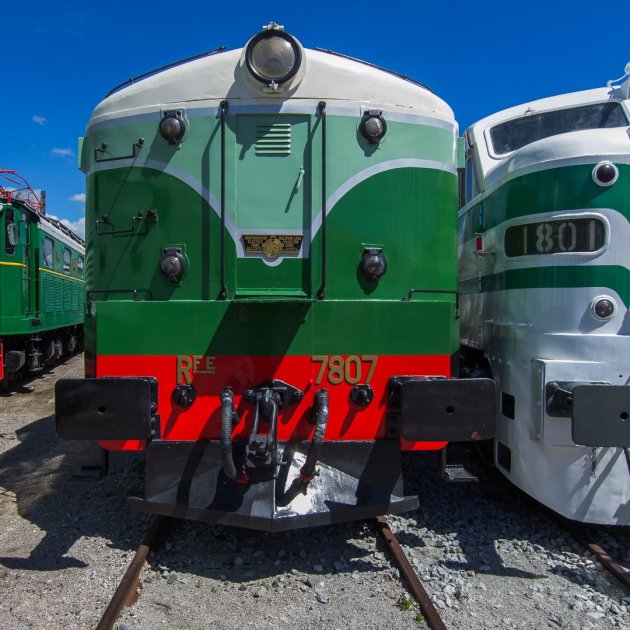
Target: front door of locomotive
(273, 205)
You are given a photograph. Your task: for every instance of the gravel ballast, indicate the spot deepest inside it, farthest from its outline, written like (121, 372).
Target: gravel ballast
(489, 557)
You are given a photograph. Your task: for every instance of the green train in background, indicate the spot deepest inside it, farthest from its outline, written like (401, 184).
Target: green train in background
(42, 284)
(272, 311)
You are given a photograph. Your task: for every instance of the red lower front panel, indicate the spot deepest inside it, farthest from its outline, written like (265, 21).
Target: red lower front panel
(209, 375)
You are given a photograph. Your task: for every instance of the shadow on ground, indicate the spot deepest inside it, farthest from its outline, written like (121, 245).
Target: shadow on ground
(38, 471)
(482, 516)
(478, 516)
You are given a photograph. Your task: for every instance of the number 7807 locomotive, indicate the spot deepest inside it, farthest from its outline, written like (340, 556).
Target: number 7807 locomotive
(271, 299)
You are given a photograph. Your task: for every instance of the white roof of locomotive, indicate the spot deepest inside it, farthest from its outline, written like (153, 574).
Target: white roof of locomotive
(328, 77)
(495, 168)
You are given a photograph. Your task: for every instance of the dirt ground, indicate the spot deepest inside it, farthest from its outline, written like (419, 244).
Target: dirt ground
(489, 557)
(51, 525)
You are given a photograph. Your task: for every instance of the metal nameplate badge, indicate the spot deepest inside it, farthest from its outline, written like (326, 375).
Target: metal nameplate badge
(272, 245)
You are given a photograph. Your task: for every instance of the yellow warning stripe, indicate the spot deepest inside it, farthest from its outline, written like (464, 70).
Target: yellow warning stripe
(61, 275)
(11, 264)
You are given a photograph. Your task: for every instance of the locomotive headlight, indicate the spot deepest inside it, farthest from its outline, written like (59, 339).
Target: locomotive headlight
(273, 56)
(172, 127)
(373, 126)
(603, 307)
(172, 264)
(373, 264)
(605, 173)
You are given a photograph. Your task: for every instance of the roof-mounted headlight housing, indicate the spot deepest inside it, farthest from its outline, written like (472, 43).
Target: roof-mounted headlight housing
(273, 57)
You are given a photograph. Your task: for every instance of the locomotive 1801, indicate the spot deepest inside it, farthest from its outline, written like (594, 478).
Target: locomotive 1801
(545, 292)
(272, 301)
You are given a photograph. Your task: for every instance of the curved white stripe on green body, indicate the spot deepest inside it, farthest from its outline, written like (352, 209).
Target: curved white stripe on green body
(347, 166)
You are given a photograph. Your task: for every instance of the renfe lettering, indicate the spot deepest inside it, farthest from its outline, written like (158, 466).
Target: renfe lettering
(188, 366)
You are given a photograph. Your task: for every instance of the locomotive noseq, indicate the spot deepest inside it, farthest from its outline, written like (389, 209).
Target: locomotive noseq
(41, 282)
(271, 304)
(545, 291)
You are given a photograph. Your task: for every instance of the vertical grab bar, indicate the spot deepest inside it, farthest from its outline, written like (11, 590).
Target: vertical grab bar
(321, 294)
(224, 108)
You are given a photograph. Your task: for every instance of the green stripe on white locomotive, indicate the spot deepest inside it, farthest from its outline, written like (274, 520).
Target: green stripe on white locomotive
(544, 276)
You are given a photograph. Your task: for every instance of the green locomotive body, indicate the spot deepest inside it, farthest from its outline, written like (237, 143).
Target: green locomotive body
(271, 286)
(42, 288)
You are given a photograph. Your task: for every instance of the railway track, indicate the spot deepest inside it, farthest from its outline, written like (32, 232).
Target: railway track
(583, 537)
(430, 613)
(127, 592)
(578, 531)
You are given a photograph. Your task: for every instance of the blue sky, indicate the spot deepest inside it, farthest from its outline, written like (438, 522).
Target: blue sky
(60, 59)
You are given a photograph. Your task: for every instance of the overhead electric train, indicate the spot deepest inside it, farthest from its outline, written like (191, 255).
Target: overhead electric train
(42, 285)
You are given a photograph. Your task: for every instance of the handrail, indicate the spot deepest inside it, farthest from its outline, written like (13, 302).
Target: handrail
(321, 107)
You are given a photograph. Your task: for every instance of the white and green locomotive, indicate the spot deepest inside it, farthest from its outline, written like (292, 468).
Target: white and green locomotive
(545, 289)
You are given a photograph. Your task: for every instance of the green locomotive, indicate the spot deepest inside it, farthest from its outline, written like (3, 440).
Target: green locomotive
(272, 305)
(42, 285)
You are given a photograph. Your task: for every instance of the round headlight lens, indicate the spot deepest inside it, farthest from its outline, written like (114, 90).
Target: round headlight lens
(373, 126)
(273, 56)
(373, 264)
(172, 264)
(604, 307)
(605, 174)
(172, 127)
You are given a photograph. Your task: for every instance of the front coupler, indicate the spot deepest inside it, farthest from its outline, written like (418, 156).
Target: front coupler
(355, 480)
(264, 484)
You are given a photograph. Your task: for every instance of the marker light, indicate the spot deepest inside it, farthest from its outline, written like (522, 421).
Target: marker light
(273, 56)
(172, 127)
(605, 173)
(173, 264)
(373, 264)
(373, 126)
(603, 307)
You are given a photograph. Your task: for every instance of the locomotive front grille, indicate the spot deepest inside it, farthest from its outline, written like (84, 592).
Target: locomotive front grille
(273, 139)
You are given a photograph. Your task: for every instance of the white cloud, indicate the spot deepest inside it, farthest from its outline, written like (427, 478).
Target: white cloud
(62, 152)
(79, 197)
(77, 226)
(40, 120)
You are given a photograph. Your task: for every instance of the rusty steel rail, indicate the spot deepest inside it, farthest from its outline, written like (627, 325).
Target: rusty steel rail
(600, 553)
(125, 594)
(430, 613)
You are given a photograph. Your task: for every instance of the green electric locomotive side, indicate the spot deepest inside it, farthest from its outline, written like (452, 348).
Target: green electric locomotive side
(42, 289)
(271, 287)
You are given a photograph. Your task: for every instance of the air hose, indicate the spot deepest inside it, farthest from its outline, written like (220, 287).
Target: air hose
(320, 418)
(227, 423)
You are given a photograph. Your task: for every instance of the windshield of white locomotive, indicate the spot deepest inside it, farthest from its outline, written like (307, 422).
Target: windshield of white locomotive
(519, 132)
